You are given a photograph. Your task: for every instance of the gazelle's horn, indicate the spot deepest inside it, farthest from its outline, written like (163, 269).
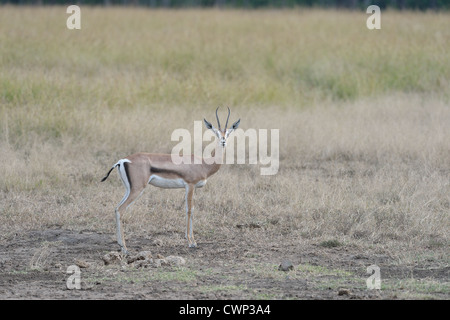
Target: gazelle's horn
(226, 124)
(217, 117)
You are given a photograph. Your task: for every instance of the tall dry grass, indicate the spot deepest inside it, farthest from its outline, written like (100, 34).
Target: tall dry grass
(363, 117)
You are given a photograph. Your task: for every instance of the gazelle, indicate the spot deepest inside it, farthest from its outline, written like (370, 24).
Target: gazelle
(140, 169)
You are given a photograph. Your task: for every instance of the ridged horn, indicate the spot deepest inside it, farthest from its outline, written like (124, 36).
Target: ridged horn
(226, 124)
(217, 117)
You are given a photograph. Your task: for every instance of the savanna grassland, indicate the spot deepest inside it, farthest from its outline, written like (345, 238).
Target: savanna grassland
(364, 177)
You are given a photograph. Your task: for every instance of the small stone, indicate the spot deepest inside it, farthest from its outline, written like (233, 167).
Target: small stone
(344, 292)
(112, 258)
(144, 263)
(143, 255)
(85, 286)
(175, 261)
(285, 266)
(81, 263)
(157, 263)
(163, 262)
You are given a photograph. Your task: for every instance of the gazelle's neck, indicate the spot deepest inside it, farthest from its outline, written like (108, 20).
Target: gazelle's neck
(215, 162)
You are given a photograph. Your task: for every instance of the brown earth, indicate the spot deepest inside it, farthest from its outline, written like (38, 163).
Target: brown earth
(34, 266)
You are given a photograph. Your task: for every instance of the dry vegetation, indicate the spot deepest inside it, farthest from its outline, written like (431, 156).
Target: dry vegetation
(363, 115)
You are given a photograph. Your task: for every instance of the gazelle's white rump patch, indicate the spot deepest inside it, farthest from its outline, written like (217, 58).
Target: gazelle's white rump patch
(121, 162)
(124, 177)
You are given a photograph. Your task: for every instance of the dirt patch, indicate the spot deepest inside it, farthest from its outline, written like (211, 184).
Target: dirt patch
(34, 265)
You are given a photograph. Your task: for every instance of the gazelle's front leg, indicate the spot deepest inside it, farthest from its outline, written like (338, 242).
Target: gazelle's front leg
(119, 234)
(189, 215)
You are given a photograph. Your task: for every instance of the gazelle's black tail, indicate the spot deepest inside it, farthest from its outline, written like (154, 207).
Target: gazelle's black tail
(121, 161)
(107, 175)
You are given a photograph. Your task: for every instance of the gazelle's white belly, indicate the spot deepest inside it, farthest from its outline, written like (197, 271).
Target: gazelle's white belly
(200, 184)
(160, 182)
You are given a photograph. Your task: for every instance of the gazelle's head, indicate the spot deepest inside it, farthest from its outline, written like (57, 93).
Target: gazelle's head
(222, 135)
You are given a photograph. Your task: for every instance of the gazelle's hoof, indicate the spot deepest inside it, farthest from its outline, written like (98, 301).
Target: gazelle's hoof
(124, 251)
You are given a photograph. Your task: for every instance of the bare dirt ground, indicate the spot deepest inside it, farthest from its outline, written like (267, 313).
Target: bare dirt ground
(34, 266)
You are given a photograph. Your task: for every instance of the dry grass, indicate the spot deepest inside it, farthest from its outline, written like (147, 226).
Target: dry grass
(369, 172)
(363, 118)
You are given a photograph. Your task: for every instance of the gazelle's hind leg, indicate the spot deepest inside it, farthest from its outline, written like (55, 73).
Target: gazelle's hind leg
(133, 195)
(132, 192)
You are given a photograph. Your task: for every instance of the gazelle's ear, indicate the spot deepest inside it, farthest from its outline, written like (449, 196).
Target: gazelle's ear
(208, 125)
(236, 124)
